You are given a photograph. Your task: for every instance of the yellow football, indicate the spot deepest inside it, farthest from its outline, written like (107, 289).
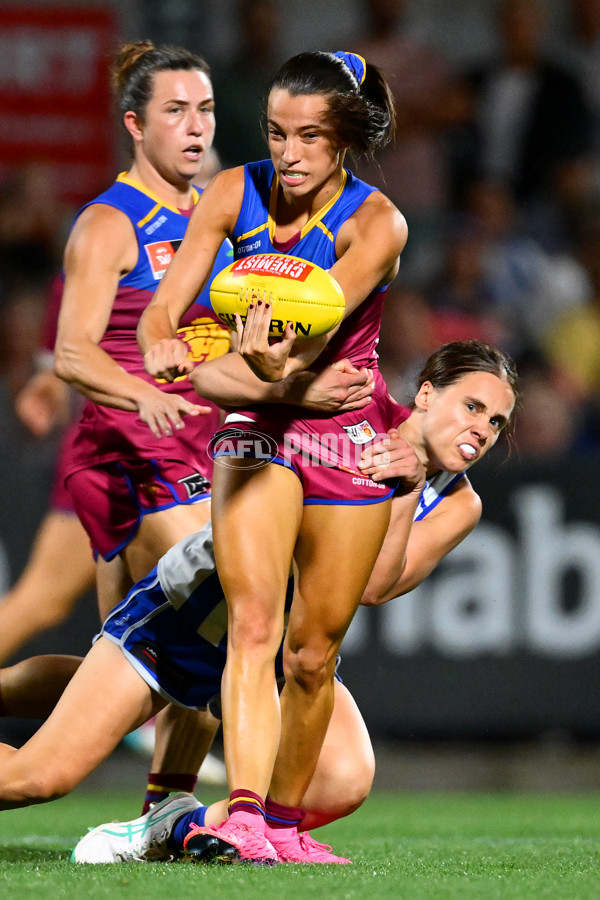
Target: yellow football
(300, 292)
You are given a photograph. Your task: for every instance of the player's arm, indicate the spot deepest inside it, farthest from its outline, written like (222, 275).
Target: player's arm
(101, 248)
(368, 249)
(213, 219)
(44, 403)
(229, 382)
(411, 551)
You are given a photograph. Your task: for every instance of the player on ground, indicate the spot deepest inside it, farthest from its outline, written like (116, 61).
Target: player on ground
(167, 640)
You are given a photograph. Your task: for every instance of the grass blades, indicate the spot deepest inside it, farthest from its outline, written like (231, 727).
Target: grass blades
(404, 846)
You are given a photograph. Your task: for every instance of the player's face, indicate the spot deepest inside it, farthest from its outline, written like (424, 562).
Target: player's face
(179, 124)
(303, 146)
(464, 420)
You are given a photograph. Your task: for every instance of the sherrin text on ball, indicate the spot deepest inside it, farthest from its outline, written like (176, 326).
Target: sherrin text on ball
(299, 291)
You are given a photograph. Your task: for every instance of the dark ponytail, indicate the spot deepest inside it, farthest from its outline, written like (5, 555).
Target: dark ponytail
(361, 106)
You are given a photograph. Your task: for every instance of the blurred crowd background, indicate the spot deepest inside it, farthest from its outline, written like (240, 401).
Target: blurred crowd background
(496, 166)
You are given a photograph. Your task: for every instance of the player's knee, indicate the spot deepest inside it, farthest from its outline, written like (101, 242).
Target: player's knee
(339, 788)
(309, 667)
(355, 777)
(253, 628)
(41, 787)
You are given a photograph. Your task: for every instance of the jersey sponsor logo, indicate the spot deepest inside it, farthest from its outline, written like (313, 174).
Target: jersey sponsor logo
(277, 326)
(249, 248)
(195, 484)
(160, 254)
(366, 482)
(273, 264)
(361, 433)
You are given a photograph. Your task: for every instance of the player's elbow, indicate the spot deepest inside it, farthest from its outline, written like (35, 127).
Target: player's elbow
(376, 594)
(371, 597)
(64, 359)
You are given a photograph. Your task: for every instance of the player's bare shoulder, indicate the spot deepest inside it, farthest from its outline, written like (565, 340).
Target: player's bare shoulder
(465, 501)
(378, 224)
(378, 213)
(105, 233)
(224, 193)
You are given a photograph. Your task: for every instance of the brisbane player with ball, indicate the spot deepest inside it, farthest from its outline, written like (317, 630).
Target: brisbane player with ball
(306, 296)
(323, 514)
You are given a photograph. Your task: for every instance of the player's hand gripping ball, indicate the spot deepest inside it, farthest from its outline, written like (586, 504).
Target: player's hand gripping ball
(299, 291)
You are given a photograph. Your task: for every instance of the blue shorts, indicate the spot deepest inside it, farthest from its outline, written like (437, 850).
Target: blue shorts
(179, 652)
(163, 645)
(177, 641)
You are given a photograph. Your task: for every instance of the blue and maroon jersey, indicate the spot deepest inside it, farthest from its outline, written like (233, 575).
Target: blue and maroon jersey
(335, 441)
(254, 232)
(107, 434)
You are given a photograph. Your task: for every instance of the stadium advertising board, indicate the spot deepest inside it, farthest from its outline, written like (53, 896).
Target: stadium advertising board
(55, 102)
(503, 639)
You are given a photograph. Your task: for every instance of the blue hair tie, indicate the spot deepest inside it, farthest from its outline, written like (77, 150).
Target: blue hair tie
(355, 63)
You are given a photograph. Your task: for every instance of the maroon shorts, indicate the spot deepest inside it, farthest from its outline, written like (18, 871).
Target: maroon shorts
(323, 452)
(60, 499)
(112, 499)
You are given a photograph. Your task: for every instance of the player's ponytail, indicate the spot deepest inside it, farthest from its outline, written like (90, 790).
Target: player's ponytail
(360, 102)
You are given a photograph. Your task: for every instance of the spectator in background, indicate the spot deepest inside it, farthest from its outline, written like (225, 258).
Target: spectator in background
(548, 424)
(411, 170)
(572, 342)
(581, 50)
(406, 339)
(32, 230)
(529, 125)
(461, 298)
(527, 286)
(32, 227)
(242, 84)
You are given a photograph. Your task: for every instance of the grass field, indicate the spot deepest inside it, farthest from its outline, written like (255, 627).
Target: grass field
(404, 846)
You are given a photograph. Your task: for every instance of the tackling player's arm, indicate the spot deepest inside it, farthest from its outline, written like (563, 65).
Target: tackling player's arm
(229, 382)
(412, 550)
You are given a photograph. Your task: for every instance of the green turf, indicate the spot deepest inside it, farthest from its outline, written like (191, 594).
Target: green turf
(404, 846)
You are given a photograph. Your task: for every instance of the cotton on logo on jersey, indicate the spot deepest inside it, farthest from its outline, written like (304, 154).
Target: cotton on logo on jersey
(160, 255)
(361, 433)
(273, 264)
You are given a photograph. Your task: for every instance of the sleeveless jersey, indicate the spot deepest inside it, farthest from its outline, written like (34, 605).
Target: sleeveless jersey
(107, 434)
(254, 232)
(338, 439)
(436, 488)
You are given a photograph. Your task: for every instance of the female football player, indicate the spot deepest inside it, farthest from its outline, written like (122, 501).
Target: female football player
(304, 202)
(168, 640)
